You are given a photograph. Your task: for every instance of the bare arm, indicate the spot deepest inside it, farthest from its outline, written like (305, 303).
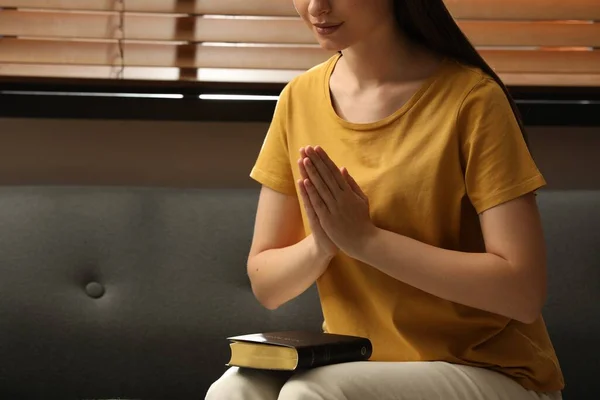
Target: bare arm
(508, 279)
(282, 265)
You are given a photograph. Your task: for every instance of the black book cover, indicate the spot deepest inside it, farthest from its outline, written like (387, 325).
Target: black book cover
(315, 348)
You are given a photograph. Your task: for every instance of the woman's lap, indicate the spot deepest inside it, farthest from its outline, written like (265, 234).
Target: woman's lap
(248, 384)
(373, 380)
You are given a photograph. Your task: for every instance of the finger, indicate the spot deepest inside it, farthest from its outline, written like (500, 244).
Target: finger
(303, 173)
(303, 155)
(355, 187)
(318, 205)
(310, 212)
(323, 170)
(335, 171)
(319, 184)
(303, 152)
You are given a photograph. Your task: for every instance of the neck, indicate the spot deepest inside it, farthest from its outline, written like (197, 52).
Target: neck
(386, 56)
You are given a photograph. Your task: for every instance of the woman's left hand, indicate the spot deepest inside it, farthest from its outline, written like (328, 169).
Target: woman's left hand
(340, 204)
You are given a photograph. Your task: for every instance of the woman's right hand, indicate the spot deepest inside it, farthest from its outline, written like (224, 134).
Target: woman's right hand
(322, 241)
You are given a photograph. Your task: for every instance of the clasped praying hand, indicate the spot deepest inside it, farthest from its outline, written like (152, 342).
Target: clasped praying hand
(335, 204)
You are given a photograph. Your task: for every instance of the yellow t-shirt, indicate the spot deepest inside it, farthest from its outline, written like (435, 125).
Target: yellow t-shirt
(451, 152)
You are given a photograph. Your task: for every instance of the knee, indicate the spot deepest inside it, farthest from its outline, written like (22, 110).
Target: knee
(309, 386)
(229, 386)
(246, 384)
(298, 390)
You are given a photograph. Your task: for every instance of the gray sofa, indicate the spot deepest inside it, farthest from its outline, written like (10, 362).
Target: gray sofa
(131, 292)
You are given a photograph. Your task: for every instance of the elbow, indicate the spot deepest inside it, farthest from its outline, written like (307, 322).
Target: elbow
(270, 306)
(529, 291)
(529, 316)
(531, 307)
(265, 300)
(264, 296)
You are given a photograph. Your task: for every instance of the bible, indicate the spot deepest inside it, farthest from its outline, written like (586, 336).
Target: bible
(294, 350)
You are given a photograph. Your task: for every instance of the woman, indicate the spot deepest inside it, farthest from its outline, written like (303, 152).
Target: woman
(396, 175)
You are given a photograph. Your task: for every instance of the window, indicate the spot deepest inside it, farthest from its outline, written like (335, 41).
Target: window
(532, 42)
(184, 56)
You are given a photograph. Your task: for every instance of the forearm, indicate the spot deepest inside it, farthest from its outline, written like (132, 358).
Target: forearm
(280, 275)
(480, 280)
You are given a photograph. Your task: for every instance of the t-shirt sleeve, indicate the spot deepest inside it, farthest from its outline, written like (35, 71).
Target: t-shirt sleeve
(272, 167)
(498, 165)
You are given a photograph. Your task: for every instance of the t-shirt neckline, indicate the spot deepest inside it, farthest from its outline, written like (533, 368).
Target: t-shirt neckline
(386, 120)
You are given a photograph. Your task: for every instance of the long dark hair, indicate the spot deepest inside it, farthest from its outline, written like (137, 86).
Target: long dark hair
(430, 24)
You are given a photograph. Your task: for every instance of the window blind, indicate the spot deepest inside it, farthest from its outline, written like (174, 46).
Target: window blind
(528, 42)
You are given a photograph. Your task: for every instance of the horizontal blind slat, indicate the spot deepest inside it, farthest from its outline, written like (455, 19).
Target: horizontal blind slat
(505, 33)
(88, 71)
(545, 79)
(267, 30)
(525, 9)
(462, 9)
(159, 55)
(149, 27)
(233, 7)
(262, 57)
(251, 76)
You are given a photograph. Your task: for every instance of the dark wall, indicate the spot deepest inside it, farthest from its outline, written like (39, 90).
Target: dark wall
(203, 154)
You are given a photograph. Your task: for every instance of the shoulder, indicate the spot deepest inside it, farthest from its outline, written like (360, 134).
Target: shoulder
(482, 108)
(472, 85)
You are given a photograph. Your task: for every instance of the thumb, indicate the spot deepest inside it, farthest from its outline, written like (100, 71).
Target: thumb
(353, 184)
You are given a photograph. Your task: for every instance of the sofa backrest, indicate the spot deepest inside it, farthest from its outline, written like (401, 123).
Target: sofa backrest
(572, 313)
(112, 292)
(131, 292)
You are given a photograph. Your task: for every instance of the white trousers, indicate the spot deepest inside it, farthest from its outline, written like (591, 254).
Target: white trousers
(373, 381)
